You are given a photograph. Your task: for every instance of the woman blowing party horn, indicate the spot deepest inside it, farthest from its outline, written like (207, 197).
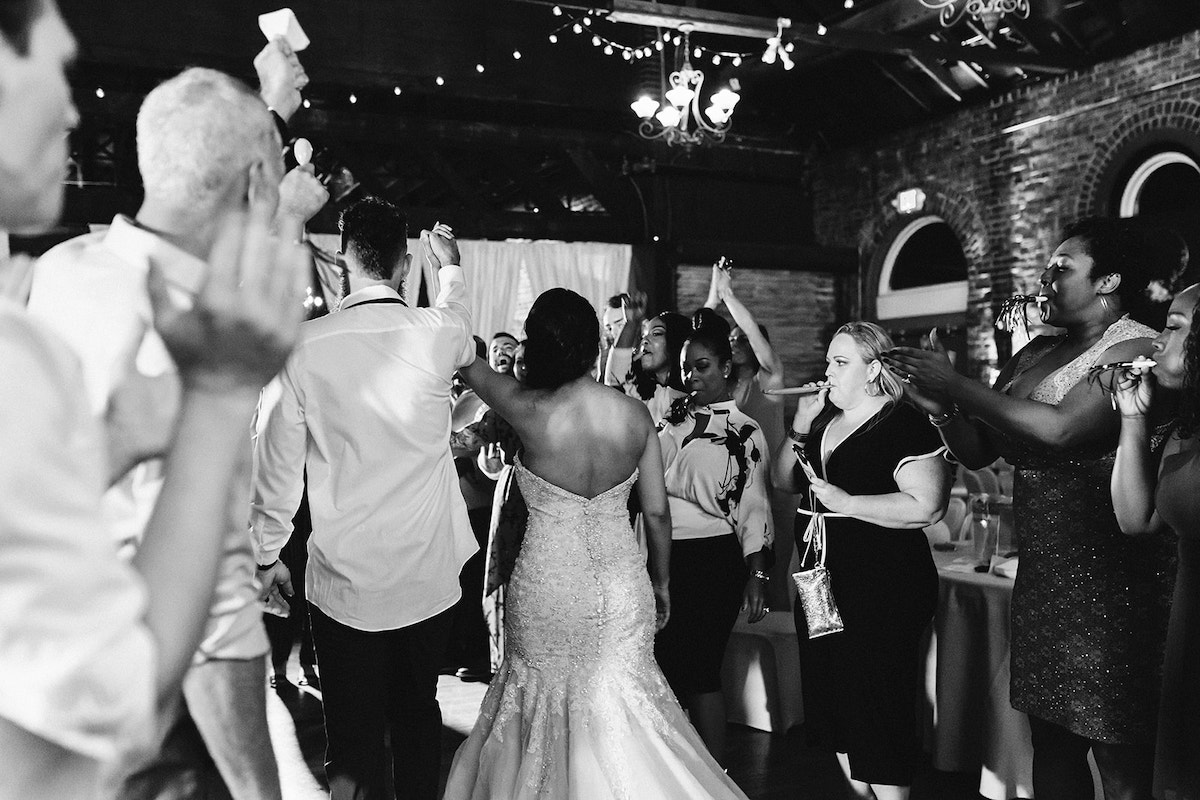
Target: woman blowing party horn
(1089, 606)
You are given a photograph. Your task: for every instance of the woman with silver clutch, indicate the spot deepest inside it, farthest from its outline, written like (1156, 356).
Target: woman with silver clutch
(872, 474)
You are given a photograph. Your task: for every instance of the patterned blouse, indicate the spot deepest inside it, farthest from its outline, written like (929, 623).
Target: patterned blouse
(716, 466)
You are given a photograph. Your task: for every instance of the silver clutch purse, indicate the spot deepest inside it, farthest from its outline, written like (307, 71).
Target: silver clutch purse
(816, 597)
(816, 591)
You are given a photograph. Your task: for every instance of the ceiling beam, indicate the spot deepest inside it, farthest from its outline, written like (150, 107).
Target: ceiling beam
(939, 75)
(701, 20)
(904, 84)
(845, 39)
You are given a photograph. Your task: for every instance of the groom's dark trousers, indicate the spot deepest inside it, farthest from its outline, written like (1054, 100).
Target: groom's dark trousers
(377, 681)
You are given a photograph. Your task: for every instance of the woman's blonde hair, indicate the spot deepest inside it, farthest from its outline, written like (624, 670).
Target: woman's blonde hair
(872, 341)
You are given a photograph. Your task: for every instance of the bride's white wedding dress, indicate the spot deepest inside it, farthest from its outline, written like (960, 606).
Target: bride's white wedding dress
(579, 709)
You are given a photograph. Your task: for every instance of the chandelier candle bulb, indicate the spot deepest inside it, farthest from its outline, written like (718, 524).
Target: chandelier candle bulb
(644, 106)
(669, 116)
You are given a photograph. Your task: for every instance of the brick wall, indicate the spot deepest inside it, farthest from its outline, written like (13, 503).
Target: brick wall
(1008, 195)
(798, 308)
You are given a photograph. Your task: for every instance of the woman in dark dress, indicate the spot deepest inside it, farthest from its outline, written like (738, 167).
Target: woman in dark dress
(716, 464)
(1153, 488)
(1089, 608)
(879, 478)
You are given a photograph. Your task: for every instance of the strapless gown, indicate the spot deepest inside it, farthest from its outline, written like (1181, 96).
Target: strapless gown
(579, 709)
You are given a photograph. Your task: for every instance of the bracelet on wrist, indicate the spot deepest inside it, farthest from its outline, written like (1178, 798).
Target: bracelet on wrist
(265, 567)
(762, 576)
(796, 436)
(942, 420)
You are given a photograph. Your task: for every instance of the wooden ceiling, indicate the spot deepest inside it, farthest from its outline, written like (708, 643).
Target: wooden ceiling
(544, 145)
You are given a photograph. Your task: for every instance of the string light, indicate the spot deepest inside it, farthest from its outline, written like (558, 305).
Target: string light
(100, 92)
(307, 104)
(353, 98)
(637, 52)
(396, 91)
(516, 55)
(557, 11)
(439, 80)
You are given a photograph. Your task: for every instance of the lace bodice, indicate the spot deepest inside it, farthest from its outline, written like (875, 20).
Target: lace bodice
(580, 592)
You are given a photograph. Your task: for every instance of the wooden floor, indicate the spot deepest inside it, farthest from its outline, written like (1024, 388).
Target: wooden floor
(766, 766)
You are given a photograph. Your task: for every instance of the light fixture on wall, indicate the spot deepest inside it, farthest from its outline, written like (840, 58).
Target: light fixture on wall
(679, 119)
(988, 12)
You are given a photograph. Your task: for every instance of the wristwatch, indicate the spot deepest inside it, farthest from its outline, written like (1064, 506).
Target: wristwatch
(265, 567)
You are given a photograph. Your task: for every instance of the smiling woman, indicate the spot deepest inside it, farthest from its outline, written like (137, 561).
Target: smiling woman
(716, 460)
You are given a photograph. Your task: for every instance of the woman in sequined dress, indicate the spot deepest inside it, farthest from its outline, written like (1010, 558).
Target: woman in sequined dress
(1090, 604)
(578, 708)
(1154, 488)
(716, 461)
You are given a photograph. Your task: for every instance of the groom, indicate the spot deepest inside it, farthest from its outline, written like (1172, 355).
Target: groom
(364, 408)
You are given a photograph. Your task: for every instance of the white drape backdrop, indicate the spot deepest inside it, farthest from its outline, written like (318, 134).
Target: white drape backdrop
(504, 278)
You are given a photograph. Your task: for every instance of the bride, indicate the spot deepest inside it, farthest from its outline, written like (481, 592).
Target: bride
(578, 708)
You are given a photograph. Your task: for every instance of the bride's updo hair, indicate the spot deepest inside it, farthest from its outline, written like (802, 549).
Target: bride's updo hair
(562, 339)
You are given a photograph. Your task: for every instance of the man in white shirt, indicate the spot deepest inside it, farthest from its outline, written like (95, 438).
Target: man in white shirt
(90, 647)
(364, 408)
(206, 144)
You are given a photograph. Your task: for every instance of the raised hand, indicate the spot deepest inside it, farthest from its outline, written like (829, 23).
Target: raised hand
(247, 312)
(441, 248)
(301, 194)
(722, 282)
(633, 306)
(281, 77)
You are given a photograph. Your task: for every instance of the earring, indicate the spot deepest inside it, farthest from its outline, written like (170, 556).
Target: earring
(1104, 302)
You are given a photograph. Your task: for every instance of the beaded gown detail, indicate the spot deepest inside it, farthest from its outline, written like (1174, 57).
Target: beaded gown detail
(579, 709)
(1089, 607)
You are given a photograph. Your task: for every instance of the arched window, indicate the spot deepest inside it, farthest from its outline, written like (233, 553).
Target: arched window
(1163, 188)
(923, 277)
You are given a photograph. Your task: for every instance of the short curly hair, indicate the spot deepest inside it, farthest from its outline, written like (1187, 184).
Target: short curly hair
(377, 233)
(1146, 258)
(562, 339)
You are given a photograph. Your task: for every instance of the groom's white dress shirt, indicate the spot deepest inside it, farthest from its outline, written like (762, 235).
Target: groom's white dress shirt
(364, 404)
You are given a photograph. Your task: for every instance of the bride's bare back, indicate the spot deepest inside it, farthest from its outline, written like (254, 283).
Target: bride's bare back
(582, 436)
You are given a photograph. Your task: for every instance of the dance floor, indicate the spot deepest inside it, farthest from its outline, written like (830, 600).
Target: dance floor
(766, 766)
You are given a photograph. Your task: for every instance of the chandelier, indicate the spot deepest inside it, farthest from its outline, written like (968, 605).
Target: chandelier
(987, 12)
(679, 119)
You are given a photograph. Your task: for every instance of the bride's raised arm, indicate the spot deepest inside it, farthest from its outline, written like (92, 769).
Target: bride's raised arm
(501, 392)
